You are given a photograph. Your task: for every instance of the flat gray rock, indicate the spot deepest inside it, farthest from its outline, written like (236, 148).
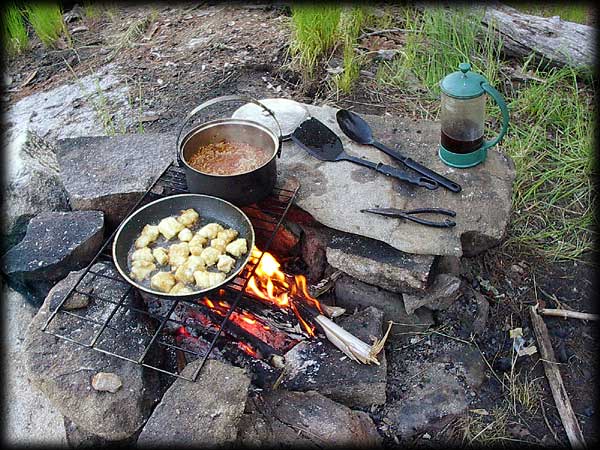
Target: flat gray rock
(29, 417)
(335, 192)
(377, 263)
(31, 184)
(110, 174)
(304, 420)
(318, 365)
(63, 371)
(56, 243)
(203, 413)
(352, 294)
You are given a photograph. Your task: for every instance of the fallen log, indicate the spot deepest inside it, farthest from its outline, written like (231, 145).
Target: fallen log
(557, 41)
(559, 392)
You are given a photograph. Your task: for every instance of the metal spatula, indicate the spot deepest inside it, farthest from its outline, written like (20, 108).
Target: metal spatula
(321, 142)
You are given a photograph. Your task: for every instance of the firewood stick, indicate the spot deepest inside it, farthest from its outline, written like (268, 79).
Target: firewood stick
(559, 393)
(565, 313)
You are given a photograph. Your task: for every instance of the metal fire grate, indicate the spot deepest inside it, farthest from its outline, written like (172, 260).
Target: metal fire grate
(107, 325)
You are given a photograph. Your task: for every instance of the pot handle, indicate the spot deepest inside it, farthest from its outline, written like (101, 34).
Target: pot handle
(225, 98)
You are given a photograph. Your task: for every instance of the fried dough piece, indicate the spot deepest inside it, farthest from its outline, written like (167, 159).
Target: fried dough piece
(225, 263)
(205, 280)
(188, 217)
(142, 254)
(237, 248)
(148, 235)
(161, 255)
(219, 244)
(185, 235)
(178, 254)
(180, 288)
(162, 281)
(196, 244)
(169, 227)
(227, 235)
(210, 255)
(185, 272)
(210, 231)
(140, 269)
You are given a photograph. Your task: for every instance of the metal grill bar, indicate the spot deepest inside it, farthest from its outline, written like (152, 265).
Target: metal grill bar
(267, 218)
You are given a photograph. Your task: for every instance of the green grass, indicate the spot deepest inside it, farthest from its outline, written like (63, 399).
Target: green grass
(315, 32)
(47, 22)
(571, 13)
(437, 41)
(350, 27)
(15, 32)
(550, 141)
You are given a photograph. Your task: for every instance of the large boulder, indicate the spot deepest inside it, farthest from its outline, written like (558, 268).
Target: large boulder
(202, 413)
(335, 192)
(64, 371)
(318, 365)
(31, 184)
(110, 174)
(305, 420)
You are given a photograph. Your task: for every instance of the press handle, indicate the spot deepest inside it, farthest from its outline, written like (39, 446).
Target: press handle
(503, 109)
(225, 98)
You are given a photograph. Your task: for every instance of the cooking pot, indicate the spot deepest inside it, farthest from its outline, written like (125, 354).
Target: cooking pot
(239, 189)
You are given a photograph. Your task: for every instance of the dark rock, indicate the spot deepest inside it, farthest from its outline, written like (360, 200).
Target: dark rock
(377, 263)
(110, 174)
(448, 264)
(320, 366)
(55, 244)
(313, 250)
(304, 419)
(503, 364)
(205, 412)
(440, 295)
(335, 192)
(78, 438)
(63, 370)
(351, 293)
(32, 183)
(483, 309)
(431, 393)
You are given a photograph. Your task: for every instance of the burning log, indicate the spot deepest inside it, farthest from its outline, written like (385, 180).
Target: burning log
(271, 285)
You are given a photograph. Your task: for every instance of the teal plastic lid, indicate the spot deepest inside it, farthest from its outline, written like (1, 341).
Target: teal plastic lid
(463, 83)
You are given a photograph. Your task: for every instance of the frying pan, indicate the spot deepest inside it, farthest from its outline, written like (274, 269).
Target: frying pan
(211, 209)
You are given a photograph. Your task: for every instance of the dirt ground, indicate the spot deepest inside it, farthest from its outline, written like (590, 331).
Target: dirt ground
(188, 54)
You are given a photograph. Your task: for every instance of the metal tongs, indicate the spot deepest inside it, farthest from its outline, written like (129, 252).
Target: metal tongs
(408, 215)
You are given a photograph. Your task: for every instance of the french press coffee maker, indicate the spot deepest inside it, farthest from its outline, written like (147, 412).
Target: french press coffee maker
(463, 117)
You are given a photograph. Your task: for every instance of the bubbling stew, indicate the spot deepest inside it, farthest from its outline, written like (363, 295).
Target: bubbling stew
(229, 158)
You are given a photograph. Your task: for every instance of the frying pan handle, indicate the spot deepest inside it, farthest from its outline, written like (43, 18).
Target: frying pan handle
(226, 98)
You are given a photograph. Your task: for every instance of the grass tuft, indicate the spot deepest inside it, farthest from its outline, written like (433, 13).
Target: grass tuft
(351, 24)
(437, 41)
(47, 22)
(15, 33)
(551, 144)
(315, 33)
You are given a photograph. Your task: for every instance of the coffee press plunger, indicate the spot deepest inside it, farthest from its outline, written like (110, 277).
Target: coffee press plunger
(463, 118)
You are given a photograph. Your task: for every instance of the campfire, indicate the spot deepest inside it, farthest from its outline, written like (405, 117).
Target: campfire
(261, 327)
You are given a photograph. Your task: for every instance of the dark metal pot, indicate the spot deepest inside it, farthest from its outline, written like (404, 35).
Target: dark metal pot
(241, 189)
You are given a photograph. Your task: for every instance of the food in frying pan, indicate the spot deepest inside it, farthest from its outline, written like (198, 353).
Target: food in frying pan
(180, 255)
(229, 158)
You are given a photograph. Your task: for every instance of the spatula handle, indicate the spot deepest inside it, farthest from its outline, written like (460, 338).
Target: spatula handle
(395, 172)
(400, 174)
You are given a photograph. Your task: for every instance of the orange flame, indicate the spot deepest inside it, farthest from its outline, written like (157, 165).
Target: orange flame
(269, 283)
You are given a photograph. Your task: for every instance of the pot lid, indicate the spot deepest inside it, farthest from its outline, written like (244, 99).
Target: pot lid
(289, 113)
(463, 83)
